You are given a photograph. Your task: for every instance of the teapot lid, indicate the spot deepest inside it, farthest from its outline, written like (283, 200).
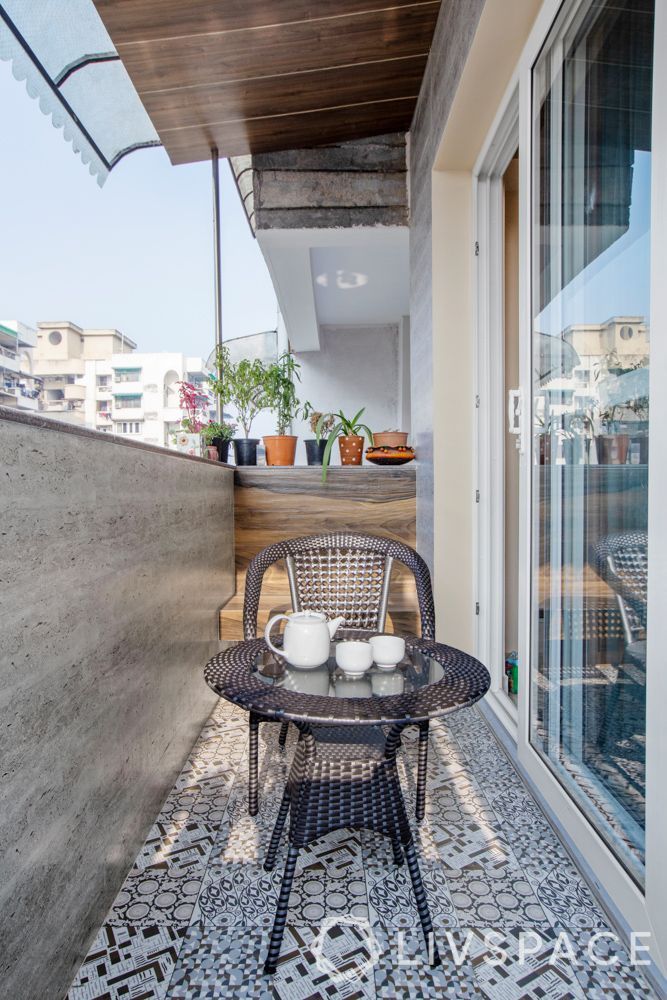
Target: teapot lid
(306, 616)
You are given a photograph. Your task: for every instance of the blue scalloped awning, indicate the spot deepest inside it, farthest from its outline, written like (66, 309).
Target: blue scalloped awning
(67, 59)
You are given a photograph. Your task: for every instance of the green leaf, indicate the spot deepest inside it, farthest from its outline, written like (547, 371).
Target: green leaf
(369, 432)
(326, 458)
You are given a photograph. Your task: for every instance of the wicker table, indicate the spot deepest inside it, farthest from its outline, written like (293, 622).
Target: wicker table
(344, 770)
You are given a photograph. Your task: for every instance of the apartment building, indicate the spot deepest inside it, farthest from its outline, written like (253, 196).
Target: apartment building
(96, 379)
(60, 356)
(19, 387)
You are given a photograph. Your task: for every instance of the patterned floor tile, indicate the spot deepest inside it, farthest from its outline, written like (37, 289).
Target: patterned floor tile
(155, 896)
(522, 964)
(500, 898)
(214, 964)
(391, 899)
(126, 961)
(329, 881)
(568, 901)
(604, 969)
(177, 846)
(402, 970)
(489, 860)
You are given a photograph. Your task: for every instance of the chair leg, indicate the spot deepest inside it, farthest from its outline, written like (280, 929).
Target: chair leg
(272, 851)
(282, 739)
(422, 903)
(421, 771)
(253, 764)
(281, 912)
(398, 852)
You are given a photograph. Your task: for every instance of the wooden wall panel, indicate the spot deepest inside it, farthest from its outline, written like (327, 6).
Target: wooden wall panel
(273, 504)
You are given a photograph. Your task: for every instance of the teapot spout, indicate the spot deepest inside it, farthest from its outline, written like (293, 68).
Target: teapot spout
(334, 625)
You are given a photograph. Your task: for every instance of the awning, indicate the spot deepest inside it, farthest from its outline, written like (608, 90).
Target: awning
(64, 53)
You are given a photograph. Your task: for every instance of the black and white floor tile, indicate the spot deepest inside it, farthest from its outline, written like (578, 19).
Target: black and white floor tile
(193, 916)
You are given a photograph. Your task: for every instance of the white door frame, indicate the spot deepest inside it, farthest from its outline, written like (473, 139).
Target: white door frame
(629, 905)
(490, 400)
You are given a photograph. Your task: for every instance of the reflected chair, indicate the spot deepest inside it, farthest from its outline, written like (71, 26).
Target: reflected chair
(621, 560)
(344, 574)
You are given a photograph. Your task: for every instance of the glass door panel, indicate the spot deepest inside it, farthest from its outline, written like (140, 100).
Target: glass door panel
(590, 278)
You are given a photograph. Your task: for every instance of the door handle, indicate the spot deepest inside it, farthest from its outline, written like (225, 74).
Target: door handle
(515, 417)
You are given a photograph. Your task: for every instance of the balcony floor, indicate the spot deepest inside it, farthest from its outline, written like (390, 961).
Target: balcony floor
(193, 917)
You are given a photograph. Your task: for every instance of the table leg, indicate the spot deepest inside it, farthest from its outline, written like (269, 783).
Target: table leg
(422, 761)
(282, 739)
(253, 764)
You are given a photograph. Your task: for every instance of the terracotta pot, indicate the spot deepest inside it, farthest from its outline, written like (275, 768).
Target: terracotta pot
(390, 439)
(351, 449)
(212, 453)
(612, 449)
(280, 449)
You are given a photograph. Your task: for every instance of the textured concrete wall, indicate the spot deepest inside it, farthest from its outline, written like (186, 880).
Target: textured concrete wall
(451, 43)
(354, 368)
(115, 560)
(361, 183)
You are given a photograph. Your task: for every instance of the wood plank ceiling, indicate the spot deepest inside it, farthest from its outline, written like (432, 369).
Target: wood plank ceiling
(253, 76)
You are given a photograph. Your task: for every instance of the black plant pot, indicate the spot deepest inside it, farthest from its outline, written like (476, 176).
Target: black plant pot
(222, 444)
(245, 450)
(315, 451)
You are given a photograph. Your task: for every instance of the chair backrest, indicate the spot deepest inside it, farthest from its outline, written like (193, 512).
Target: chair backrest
(622, 561)
(342, 573)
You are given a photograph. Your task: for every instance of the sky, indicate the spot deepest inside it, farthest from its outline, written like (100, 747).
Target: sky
(136, 254)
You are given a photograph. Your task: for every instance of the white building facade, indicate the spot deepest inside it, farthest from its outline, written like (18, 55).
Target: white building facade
(138, 396)
(19, 387)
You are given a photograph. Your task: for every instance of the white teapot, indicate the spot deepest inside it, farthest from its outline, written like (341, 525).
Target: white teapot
(306, 638)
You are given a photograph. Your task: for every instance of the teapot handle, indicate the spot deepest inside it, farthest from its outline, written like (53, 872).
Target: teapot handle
(267, 634)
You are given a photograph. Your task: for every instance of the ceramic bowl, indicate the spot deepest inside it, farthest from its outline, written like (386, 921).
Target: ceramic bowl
(387, 650)
(354, 657)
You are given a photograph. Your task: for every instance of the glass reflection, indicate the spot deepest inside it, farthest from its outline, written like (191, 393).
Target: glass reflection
(591, 353)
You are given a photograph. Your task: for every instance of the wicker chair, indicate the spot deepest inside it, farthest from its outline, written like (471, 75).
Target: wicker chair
(344, 574)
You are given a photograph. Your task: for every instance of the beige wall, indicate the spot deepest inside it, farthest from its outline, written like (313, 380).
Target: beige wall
(501, 33)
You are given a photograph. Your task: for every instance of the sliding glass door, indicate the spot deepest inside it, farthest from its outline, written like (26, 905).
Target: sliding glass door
(591, 155)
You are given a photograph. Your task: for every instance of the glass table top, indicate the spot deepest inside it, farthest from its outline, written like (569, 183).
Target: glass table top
(415, 671)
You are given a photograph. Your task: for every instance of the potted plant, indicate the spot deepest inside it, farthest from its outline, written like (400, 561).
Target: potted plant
(611, 446)
(241, 385)
(613, 443)
(190, 402)
(350, 441)
(280, 397)
(640, 407)
(216, 437)
(390, 439)
(315, 446)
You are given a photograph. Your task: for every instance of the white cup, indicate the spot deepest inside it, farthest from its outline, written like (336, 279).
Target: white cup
(354, 656)
(387, 650)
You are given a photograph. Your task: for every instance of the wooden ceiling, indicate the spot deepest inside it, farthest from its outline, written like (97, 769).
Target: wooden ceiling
(253, 76)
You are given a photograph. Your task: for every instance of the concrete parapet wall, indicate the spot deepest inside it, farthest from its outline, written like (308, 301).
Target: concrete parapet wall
(357, 183)
(115, 561)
